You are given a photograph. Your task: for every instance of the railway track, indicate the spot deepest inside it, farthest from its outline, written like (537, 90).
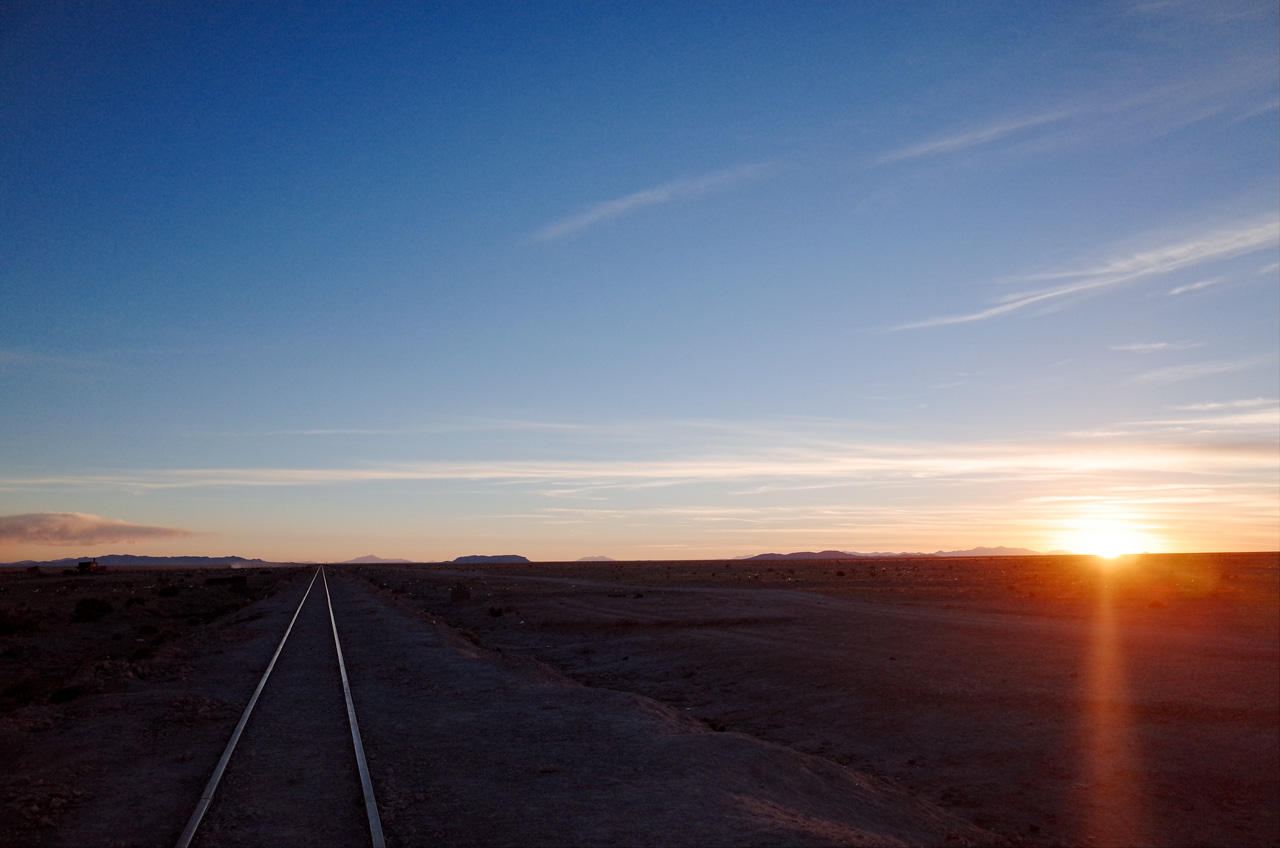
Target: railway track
(289, 774)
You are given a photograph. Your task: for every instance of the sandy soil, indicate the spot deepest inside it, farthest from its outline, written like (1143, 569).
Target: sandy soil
(470, 747)
(1044, 699)
(1049, 699)
(467, 747)
(109, 741)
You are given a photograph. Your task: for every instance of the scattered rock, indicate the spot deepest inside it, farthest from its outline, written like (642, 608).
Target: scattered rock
(459, 593)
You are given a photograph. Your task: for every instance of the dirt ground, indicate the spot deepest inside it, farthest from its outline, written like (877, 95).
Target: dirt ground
(96, 678)
(64, 635)
(1053, 700)
(1049, 700)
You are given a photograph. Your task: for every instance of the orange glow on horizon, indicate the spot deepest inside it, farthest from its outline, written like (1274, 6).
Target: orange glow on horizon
(1109, 537)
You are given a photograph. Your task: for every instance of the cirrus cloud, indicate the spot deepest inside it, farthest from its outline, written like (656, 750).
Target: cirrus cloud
(1208, 247)
(655, 196)
(972, 138)
(78, 528)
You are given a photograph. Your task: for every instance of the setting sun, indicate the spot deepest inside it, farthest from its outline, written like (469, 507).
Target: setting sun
(1108, 540)
(1107, 547)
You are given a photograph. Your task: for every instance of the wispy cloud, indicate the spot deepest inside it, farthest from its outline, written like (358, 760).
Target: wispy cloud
(1224, 243)
(769, 479)
(1241, 420)
(78, 528)
(1213, 246)
(1248, 403)
(670, 192)
(849, 462)
(1178, 373)
(971, 138)
(1155, 347)
(1264, 420)
(1203, 284)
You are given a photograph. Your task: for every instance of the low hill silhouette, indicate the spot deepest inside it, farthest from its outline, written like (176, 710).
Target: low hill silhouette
(972, 552)
(130, 559)
(997, 551)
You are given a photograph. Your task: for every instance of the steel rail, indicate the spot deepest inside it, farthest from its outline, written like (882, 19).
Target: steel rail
(207, 796)
(370, 805)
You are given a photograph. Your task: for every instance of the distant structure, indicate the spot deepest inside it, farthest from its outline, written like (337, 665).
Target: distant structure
(89, 566)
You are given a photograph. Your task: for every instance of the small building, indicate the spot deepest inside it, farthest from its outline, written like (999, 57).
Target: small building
(89, 566)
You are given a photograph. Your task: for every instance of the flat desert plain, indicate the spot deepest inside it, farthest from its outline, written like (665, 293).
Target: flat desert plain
(1005, 700)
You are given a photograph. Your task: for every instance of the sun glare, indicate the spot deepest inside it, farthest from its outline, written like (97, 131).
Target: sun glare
(1107, 547)
(1107, 540)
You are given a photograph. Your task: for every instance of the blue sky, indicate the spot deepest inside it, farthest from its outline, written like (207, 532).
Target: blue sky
(310, 281)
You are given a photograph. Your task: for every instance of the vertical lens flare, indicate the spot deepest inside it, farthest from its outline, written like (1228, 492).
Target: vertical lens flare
(1112, 813)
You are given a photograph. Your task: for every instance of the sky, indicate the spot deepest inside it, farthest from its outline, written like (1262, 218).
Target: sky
(309, 281)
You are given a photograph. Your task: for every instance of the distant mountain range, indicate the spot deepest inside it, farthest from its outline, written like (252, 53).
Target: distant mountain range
(209, 562)
(478, 559)
(130, 559)
(462, 560)
(972, 552)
